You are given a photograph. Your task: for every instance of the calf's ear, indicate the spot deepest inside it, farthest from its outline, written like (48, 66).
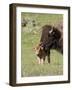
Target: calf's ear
(36, 47)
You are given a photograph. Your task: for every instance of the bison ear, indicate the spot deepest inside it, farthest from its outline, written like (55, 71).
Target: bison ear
(51, 30)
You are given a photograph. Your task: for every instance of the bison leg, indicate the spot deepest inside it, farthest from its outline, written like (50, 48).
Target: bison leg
(48, 56)
(44, 59)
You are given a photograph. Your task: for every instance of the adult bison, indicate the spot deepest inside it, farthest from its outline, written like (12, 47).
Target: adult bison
(51, 38)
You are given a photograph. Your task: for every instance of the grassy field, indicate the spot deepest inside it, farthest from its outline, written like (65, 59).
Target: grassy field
(30, 36)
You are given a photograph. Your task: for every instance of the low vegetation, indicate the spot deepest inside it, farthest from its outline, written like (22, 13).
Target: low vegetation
(30, 36)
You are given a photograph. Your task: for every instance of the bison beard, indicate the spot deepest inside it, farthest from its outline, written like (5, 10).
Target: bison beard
(51, 38)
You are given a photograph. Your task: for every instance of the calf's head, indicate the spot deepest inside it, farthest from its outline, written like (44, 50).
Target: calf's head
(38, 48)
(40, 53)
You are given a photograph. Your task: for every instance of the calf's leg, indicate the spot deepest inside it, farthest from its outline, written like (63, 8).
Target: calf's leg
(38, 60)
(43, 60)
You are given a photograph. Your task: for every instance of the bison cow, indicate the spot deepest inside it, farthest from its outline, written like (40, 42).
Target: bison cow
(51, 38)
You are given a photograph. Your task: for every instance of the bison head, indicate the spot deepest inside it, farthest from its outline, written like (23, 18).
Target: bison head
(50, 37)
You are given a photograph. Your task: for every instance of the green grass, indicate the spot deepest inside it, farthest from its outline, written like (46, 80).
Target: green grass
(29, 39)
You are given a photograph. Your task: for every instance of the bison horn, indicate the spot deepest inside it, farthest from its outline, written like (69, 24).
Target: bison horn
(50, 31)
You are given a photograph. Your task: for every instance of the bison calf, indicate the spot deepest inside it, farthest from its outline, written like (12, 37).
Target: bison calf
(41, 54)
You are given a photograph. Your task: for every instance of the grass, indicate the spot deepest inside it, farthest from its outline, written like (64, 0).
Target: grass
(29, 39)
